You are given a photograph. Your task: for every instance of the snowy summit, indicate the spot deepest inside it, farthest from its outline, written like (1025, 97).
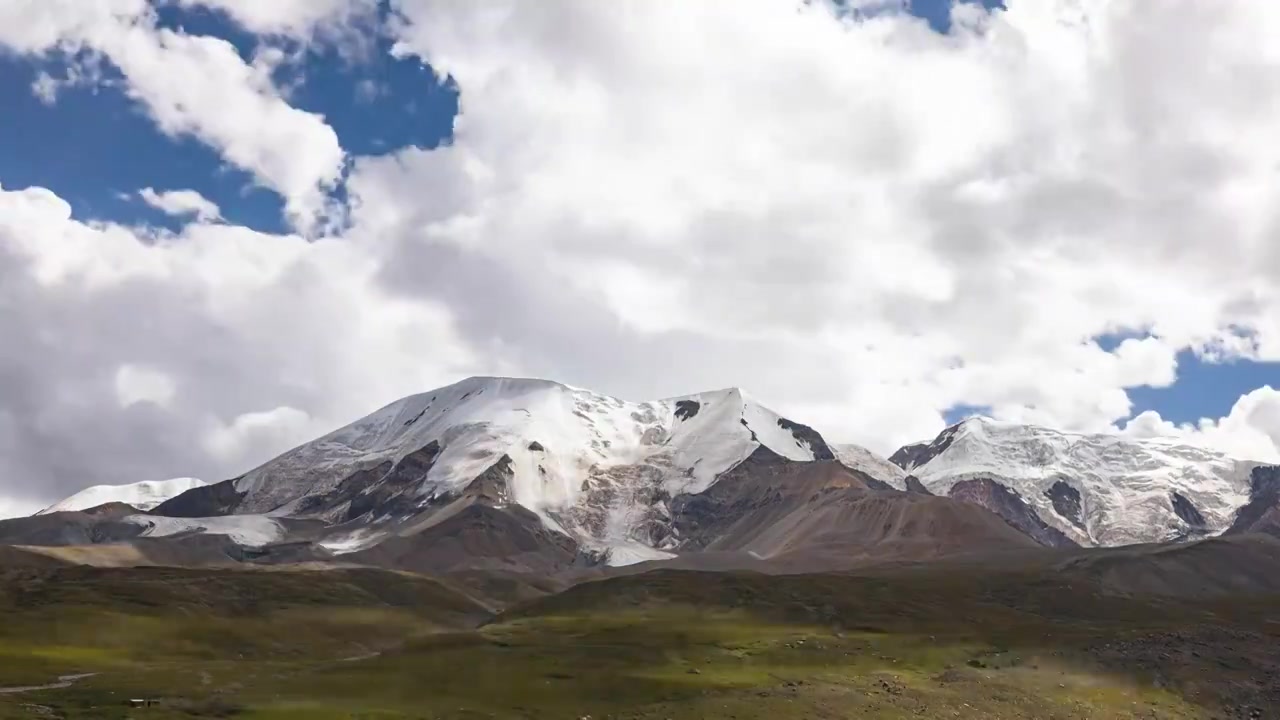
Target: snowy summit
(145, 495)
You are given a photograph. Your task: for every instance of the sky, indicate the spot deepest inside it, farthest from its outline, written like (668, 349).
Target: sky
(229, 226)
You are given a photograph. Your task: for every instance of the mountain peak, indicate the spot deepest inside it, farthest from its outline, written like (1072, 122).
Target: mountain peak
(1099, 488)
(143, 495)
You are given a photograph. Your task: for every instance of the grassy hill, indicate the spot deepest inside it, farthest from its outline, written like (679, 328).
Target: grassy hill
(933, 641)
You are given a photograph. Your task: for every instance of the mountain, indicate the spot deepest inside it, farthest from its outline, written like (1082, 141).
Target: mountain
(532, 478)
(1094, 490)
(144, 495)
(593, 468)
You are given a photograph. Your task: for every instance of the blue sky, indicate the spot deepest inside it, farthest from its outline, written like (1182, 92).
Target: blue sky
(376, 103)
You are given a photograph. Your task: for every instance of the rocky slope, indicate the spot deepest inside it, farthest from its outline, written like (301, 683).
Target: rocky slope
(1095, 490)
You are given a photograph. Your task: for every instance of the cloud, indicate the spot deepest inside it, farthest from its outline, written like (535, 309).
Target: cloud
(295, 18)
(234, 106)
(45, 87)
(148, 356)
(924, 218)
(1251, 431)
(15, 508)
(137, 384)
(860, 220)
(181, 203)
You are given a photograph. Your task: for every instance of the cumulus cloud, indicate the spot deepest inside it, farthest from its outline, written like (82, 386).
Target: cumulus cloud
(181, 203)
(234, 106)
(295, 18)
(926, 218)
(137, 383)
(1251, 431)
(862, 221)
(153, 356)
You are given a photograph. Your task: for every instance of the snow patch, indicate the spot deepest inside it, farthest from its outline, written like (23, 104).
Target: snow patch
(863, 460)
(634, 552)
(247, 530)
(353, 541)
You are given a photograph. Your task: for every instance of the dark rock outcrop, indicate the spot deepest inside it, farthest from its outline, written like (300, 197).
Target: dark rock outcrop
(207, 501)
(810, 437)
(915, 486)
(1066, 502)
(382, 490)
(1010, 507)
(1262, 513)
(686, 409)
(493, 486)
(910, 457)
(1187, 511)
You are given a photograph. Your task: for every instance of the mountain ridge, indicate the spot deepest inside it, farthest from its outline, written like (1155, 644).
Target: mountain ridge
(1097, 489)
(529, 475)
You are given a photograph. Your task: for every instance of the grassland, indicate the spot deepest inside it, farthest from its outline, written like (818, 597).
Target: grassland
(273, 645)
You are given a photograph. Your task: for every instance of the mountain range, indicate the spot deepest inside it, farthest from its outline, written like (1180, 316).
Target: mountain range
(533, 476)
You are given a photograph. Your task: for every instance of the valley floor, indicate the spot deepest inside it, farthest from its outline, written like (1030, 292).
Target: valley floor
(667, 644)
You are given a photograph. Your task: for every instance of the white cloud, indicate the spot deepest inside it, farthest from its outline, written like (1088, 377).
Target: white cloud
(45, 87)
(297, 18)
(1251, 431)
(181, 203)
(233, 106)
(253, 438)
(210, 325)
(12, 508)
(923, 218)
(138, 383)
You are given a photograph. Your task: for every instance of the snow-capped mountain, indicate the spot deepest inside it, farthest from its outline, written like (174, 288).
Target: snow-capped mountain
(595, 468)
(145, 495)
(535, 476)
(1098, 490)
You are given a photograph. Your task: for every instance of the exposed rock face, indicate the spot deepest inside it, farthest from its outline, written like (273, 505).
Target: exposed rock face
(914, 485)
(1188, 513)
(1066, 502)
(687, 409)
(384, 490)
(809, 437)
(910, 457)
(1007, 504)
(493, 486)
(1262, 513)
(217, 499)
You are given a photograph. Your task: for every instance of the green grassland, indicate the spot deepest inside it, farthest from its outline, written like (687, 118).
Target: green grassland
(371, 644)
